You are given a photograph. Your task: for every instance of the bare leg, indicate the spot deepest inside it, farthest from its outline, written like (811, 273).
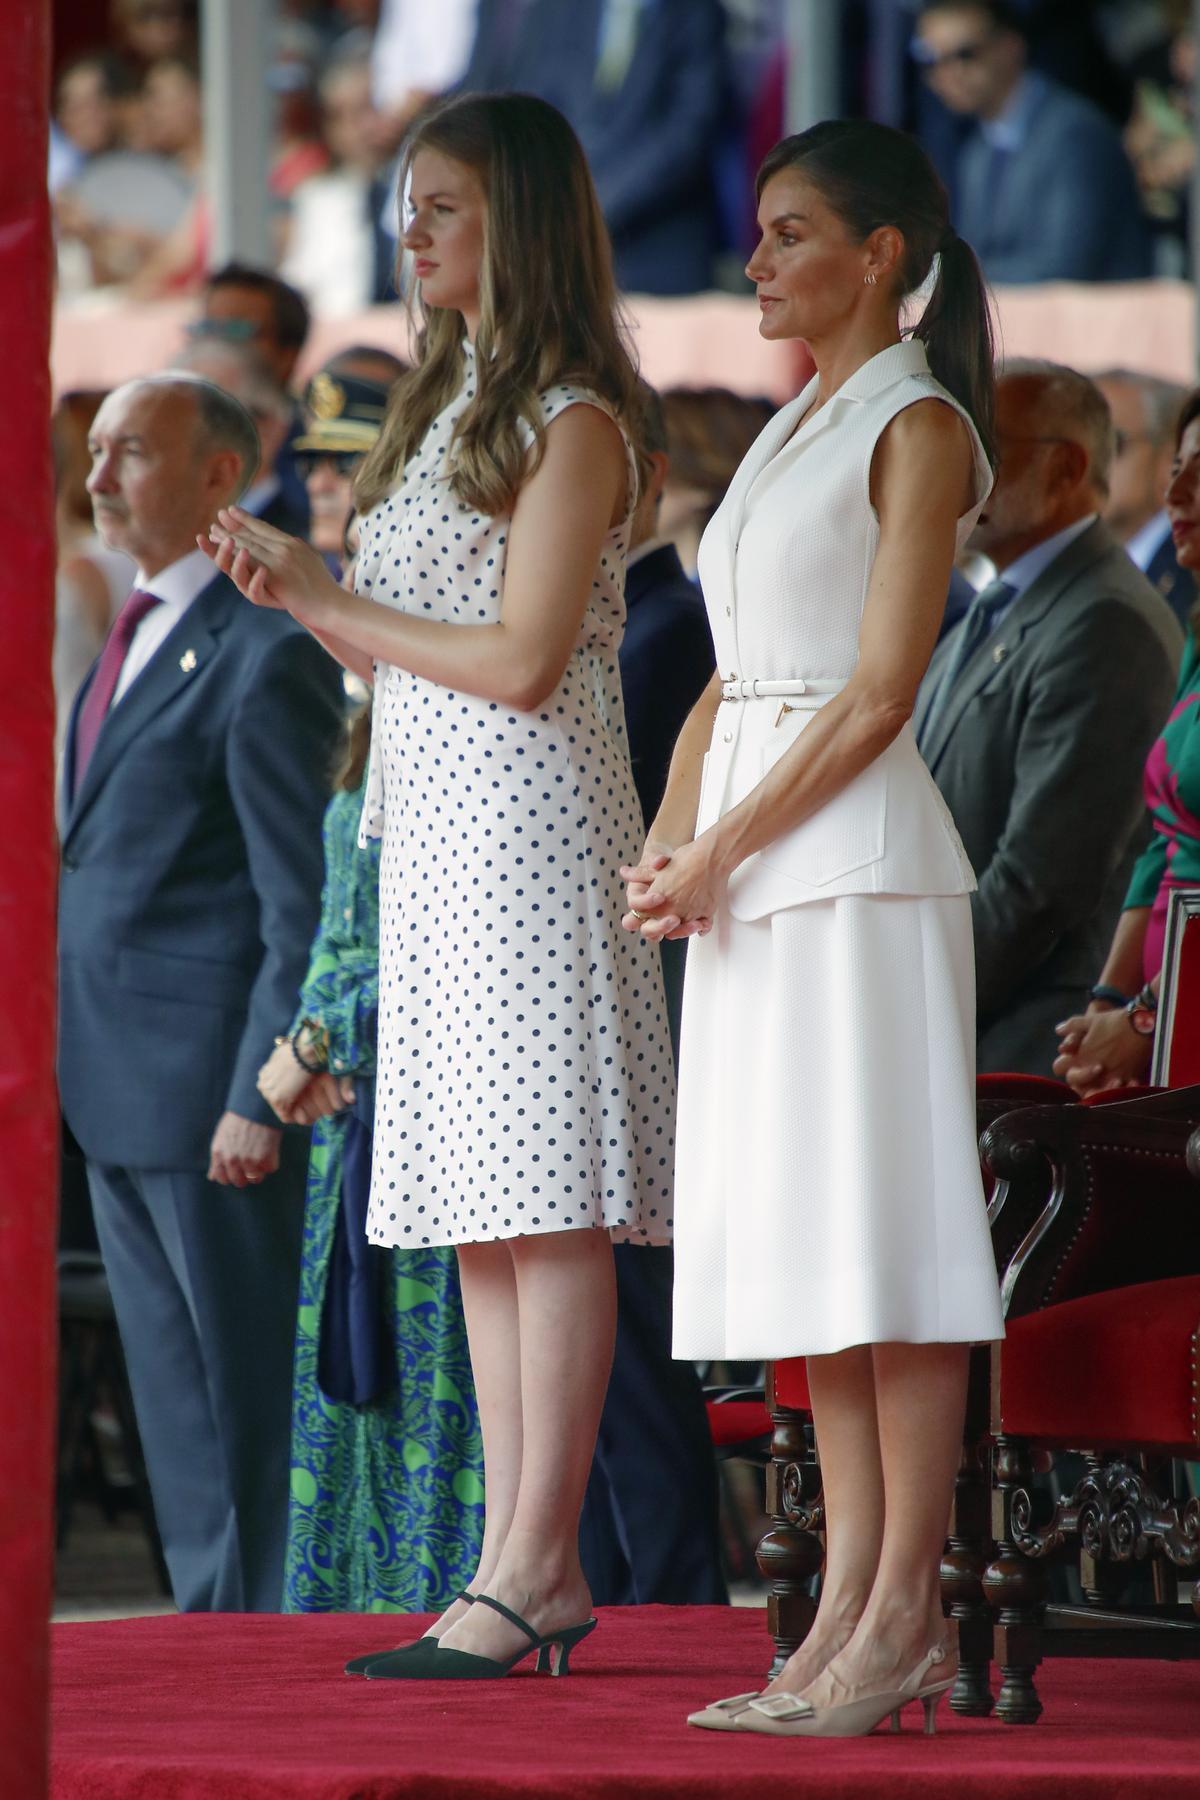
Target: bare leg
(489, 1293)
(566, 1297)
(920, 1392)
(842, 1390)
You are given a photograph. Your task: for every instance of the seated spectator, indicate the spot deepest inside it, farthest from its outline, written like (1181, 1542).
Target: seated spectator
(1161, 137)
(245, 373)
(127, 215)
(419, 51)
(92, 581)
(344, 405)
(1044, 189)
(146, 31)
(1110, 1045)
(709, 431)
(248, 305)
(646, 89)
(1145, 413)
(1037, 712)
(86, 120)
(333, 237)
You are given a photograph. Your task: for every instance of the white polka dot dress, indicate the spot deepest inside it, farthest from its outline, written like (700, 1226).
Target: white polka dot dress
(525, 1078)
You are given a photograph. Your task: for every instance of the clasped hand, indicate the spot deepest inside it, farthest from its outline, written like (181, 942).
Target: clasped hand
(1099, 1050)
(269, 567)
(672, 893)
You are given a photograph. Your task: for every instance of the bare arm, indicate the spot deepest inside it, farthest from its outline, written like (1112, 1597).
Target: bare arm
(559, 523)
(675, 821)
(920, 486)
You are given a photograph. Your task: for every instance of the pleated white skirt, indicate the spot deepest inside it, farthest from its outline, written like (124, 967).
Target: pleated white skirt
(827, 1186)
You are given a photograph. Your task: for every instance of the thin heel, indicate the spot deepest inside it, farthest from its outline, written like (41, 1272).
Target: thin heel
(557, 1650)
(542, 1665)
(930, 1703)
(895, 1726)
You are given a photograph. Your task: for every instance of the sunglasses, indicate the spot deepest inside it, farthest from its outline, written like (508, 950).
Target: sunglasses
(344, 461)
(961, 58)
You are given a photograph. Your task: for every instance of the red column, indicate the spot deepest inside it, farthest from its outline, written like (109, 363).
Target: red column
(28, 1134)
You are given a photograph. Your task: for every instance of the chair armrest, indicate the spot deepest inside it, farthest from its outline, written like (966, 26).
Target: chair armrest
(1108, 1198)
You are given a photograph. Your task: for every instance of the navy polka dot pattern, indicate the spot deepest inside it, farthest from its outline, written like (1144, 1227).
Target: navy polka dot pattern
(525, 1079)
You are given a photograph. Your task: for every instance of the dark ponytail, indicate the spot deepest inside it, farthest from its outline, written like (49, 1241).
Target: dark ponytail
(871, 175)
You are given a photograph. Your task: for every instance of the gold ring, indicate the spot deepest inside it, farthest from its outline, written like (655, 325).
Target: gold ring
(640, 916)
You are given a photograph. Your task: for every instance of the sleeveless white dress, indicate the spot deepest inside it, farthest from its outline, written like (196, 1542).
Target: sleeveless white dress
(827, 1177)
(525, 1080)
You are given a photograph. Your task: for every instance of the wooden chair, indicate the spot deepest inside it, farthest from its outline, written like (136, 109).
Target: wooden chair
(791, 1552)
(1102, 1301)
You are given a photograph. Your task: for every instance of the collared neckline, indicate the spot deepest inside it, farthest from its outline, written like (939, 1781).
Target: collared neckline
(885, 368)
(180, 582)
(1021, 574)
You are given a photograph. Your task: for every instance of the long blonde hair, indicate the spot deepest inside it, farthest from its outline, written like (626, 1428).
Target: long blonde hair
(548, 304)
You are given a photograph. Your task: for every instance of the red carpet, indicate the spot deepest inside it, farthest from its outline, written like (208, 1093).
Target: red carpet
(256, 1708)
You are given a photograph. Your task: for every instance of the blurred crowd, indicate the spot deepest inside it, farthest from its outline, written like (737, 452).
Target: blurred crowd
(1063, 130)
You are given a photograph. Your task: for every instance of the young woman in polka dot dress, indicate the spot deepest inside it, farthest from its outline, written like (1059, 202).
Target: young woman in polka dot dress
(525, 1086)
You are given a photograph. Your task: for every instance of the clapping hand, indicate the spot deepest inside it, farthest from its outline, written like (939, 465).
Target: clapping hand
(270, 568)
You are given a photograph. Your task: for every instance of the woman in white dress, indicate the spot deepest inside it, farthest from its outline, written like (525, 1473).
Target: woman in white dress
(525, 1083)
(828, 1197)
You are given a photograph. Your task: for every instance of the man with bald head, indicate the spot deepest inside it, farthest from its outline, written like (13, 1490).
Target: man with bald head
(1038, 710)
(194, 782)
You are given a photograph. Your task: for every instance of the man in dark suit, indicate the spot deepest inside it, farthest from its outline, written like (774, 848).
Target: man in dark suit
(649, 1529)
(1037, 713)
(246, 374)
(1043, 187)
(193, 791)
(1145, 410)
(645, 85)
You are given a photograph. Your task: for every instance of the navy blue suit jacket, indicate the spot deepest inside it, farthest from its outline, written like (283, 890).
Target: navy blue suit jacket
(1177, 586)
(650, 139)
(1065, 208)
(666, 663)
(191, 881)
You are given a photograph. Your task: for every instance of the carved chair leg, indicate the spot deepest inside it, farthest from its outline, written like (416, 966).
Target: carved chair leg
(968, 1550)
(791, 1553)
(1016, 1587)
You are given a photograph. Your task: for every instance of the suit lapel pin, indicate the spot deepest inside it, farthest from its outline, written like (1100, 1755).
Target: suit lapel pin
(187, 661)
(999, 653)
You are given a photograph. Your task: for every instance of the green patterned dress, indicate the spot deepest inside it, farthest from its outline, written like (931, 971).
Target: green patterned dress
(386, 1510)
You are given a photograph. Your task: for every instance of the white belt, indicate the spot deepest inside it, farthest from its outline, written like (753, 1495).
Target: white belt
(737, 689)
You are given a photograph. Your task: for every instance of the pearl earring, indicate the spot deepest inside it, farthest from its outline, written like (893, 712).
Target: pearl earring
(870, 278)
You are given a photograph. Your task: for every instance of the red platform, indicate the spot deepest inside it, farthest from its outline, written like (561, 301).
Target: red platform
(256, 1708)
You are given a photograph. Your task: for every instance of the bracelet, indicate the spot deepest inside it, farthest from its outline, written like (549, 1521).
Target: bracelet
(1104, 990)
(313, 1068)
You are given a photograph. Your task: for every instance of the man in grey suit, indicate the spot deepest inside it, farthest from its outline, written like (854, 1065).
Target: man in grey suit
(194, 786)
(1038, 710)
(1145, 410)
(1045, 191)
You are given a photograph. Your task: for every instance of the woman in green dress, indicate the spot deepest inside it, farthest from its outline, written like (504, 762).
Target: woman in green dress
(386, 1510)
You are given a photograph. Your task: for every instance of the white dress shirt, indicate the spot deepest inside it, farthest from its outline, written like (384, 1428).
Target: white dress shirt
(1022, 574)
(1144, 545)
(176, 586)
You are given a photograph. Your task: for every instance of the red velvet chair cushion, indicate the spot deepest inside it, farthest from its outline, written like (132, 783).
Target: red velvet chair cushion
(737, 1422)
(791, 1383)
(1115, 1368)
